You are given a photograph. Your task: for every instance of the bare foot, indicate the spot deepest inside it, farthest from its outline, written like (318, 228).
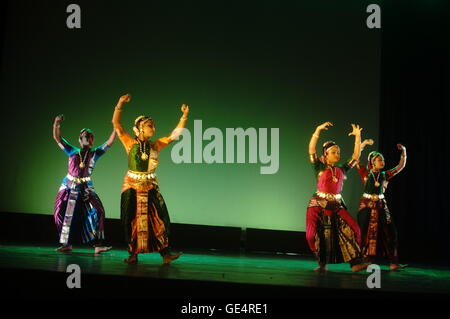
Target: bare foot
(101, 249)
(322, 268)
(133, 259)
(359, 267)
(64, 249)
(397, 266)
(169, 257)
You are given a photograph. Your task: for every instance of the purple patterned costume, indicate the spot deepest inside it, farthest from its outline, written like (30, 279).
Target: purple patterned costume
(79, 213)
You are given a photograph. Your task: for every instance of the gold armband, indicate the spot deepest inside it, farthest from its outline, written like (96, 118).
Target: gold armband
(352, 163)
(313, 158)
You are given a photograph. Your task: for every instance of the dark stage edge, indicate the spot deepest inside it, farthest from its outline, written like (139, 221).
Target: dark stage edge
(38, 272)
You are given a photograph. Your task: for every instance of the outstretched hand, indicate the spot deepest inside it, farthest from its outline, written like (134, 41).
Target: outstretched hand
(324, 126)
(356, 130)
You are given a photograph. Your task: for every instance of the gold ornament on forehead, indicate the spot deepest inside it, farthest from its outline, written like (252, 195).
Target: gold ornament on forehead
(140, 117)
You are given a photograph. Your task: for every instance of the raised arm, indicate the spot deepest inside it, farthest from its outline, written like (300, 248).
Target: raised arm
(181, 124)
(111, 138)
(164, 141)
(118, 114)
(102, 148)
(124, 137)
(315, 138)
(362, 171)
(363, 145)
(401, 165)
(62, 143)
(357, 148)
(57, 128)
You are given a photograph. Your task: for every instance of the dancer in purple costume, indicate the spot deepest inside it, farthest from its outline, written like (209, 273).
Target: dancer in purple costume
(79, 213)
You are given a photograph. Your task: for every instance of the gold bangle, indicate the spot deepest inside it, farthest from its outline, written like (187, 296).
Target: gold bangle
(184, 118)
(313, 158)
(352, 163)
(315, 135)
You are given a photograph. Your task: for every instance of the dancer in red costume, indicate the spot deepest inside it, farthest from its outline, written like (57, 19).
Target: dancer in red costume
(332, 233)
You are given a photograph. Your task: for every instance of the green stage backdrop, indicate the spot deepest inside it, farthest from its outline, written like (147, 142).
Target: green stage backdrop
(268, 64)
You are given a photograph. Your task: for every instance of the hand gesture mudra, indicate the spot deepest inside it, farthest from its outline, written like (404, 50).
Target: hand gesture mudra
(125, 98)
(401, 147)
(59, 118)
(356, 130)
(367, 142)
(185, 109)
(324, 126)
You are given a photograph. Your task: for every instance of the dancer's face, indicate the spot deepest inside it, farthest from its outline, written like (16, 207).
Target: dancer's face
(378, 163)
(333, 155)
(148, 128)
(86, 139)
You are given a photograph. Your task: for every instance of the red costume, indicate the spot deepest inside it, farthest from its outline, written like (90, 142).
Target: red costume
(332, 233)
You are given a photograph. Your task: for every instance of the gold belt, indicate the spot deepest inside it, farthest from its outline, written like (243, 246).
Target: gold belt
(78, 180)
(373, 197)
(141, 175)
(330, 197)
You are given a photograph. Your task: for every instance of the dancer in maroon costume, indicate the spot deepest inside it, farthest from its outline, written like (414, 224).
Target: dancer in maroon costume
(379, 234)
(332, 233)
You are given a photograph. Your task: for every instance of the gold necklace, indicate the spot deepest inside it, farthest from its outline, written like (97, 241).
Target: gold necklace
(82, 160)
(334, 178)
(376, 180)
(144, 155)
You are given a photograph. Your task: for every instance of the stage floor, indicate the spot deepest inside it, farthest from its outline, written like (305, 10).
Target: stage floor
(39, 271)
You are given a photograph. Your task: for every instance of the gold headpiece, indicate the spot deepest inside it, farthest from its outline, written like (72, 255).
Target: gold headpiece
(140, 117)
(327, 145)
(143, 119)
